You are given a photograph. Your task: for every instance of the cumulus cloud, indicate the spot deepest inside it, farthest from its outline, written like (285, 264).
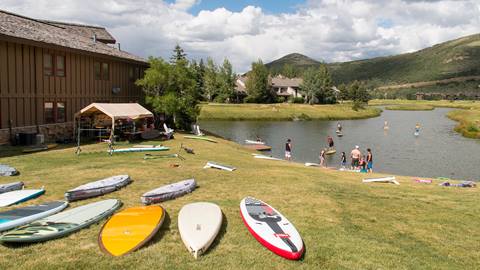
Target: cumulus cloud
(327, 30)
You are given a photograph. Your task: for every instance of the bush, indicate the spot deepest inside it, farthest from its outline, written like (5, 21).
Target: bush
(281, 99)
(358, 105)
(298, 100)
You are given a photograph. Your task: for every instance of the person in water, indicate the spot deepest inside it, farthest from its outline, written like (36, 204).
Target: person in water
(355, 155)
(385, 125)
(339, 127)
(369, 160)
(288, 150)
(330, 142)
(363, 165)
(417, 128)
(344, 160)
(323, 163)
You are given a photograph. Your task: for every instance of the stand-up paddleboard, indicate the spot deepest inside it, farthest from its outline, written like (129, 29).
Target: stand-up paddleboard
(310, 164)
(202, 138)
(11, 187)
(266, 157)
(169, 192)
(331, 152)
(39, 148)
(63, 223)
(151, 134)
(130, 229)
(254, 142)
(6, 170)
(271, 228)
(388, 179)
(18, 196)
(416, 134)
(422, 180)
(214, 165)
(339, 134)
(21, 216)
(145, 146)
(258, 147)
(141, 149)
(97, 188)
(348, 170)
(199, 224)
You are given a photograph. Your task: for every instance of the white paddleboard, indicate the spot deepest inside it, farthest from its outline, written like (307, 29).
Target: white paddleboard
(254, 142)
(310, 164)
(21, 216)
(211, 164)
(199, 224)
(388, 179)
(266, 157)
(271, 228)
(18, 196)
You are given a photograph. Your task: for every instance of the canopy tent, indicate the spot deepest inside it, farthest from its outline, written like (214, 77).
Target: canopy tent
(111, 112)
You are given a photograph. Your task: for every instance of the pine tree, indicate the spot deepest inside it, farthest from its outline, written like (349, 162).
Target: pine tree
(210, 80)
(226, 82)
(258, 84)
(178, 54)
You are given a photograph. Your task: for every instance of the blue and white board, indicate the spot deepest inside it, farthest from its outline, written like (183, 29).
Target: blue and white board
(141, 149)
(215, 165)
(21, 216)
(18, 196)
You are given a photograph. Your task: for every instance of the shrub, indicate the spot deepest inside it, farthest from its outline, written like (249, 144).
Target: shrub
(358, 105)
(298, 100)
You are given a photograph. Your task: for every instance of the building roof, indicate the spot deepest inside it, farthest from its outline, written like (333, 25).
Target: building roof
(240, 84)
(280, 81)
(86, 30)
(60, 34)
(117, 110)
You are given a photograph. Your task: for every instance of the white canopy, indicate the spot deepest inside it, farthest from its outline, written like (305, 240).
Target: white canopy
(117, 110)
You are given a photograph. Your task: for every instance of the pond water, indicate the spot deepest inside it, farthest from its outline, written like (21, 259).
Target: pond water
(437, 152)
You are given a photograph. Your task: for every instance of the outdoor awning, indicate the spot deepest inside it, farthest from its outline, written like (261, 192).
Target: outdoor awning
(117, 110)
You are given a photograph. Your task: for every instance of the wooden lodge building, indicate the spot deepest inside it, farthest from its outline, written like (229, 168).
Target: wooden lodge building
(50, 70)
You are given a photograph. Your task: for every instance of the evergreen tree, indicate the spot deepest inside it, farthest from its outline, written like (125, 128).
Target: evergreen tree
(226, 83)
(178, 54)
(258, 84)
(317, 86)
(198, 73)
(289, 71)
(210, 80)
(344, 92)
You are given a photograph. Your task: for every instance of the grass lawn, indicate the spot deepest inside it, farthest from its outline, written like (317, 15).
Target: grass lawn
(345, 224)
(283, 111)
(410, 107)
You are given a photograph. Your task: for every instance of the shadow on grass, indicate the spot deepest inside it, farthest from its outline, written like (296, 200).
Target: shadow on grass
(220, 235)
(164, 229)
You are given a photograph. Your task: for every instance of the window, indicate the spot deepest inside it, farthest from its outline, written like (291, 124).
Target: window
(105, 72)
(60, 66)
(48, 109)
(47, 65)
(97, 70)
(60, 112)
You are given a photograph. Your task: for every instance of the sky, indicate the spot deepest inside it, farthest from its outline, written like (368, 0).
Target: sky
(247, 30)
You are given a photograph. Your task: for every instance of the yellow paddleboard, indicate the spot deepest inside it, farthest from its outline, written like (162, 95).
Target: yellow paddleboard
(130, 229)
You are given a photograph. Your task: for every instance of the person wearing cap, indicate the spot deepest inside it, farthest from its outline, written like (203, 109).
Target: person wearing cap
(288, 150)
(355, 155)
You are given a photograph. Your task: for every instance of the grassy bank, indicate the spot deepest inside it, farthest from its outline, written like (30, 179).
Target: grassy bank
(283, 111)
(345, 224)
(469, 122)
(410, 107)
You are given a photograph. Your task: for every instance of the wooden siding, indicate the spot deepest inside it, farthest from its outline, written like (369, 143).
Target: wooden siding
(24, 88)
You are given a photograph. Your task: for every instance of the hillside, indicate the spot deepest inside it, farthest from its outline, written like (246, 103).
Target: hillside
(455, 58)
(296, 60)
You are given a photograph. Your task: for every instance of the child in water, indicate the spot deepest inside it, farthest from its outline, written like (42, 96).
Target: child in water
(322, 159)
(344, 160)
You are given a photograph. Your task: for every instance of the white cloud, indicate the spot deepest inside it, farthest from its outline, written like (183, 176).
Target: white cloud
(329, 30)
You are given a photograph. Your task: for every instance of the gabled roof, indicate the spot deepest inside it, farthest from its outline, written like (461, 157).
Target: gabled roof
(286, 82)
(117, 110)
(86, 30)
(21, 27)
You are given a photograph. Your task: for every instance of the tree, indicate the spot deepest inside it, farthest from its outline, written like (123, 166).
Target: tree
(210, 80)
(198, 74)
(178, 54)
(226, 82)
(289, 71)
(344, 93)
(258, 84)
(317, 85)
(359, 94)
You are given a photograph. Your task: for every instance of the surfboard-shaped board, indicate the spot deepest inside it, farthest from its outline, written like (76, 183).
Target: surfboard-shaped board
(416, 134)
(423, 180)
(21, 216)
(200, 138)
(339, 134)
(130, 229)
(331, 152)
(145, 146)
(39, 148)
(169, 192)
(254, 142)
(142, 149)
(6, 170)
(271, 228)
(266, 157)
(258, 147)
(63, 223)
(97, 188)
(199, 224)
(215, 165)
(310, 164)
(18, 196)
(388, 179)
(10, 187)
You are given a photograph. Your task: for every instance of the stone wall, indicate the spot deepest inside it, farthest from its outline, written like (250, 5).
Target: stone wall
(51, 132)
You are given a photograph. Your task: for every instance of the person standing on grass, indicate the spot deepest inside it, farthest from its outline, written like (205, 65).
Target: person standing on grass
(369, 160)
(355, 155)
(323, 163)
(344, 160)
(288, 150)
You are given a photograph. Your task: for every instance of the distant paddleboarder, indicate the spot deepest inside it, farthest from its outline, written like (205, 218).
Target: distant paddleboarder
(339, 127)
(385, 125)
(330, 142)
(417, 129)
(288, 150)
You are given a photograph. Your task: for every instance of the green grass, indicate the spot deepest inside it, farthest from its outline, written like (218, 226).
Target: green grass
(410, 107)
(469, 122)
(283, 111)
(345, 224)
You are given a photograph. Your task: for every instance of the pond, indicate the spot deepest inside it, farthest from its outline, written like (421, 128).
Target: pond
(437, 152)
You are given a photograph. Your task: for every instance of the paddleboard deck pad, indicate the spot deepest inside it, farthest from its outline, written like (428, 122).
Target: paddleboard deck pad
(21, 216)
(130, 229)
(271, 228)
(6, 170)
(98, 188)
(169, 192)
(62, 224)
(11, 187)
(214, 165)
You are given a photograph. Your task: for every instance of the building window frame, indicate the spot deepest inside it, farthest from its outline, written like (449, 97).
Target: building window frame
(48, 70)
(55, 113)
(60, 69)
(49, 119)
(54, 69)
(101, 71)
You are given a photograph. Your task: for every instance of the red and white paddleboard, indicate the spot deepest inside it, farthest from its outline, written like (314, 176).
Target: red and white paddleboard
(271, 228)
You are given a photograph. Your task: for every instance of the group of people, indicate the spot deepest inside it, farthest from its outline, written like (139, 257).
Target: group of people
(361, 162)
